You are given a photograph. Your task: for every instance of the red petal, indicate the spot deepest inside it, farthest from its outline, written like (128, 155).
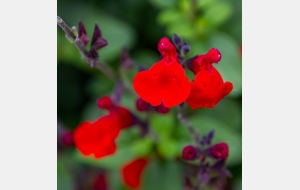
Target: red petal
(131, 172)
(167, 50)
(97, 138)
(207, 89)
(163, 82)
(123, 115)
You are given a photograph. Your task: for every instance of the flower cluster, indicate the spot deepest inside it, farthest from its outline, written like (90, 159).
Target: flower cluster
(217, 152)
(165, 82)
(160, 88)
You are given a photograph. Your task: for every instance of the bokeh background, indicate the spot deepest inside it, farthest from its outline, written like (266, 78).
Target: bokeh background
(138, 26)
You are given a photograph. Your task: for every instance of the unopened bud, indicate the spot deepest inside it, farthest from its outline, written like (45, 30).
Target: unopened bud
(105, 103)
(82, 34)
(176, 39)
(162, 109)
(189, 153)
(185, 50)
(142, 105)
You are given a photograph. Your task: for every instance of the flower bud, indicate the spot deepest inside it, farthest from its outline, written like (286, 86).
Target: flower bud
(162, 109)
(176, 39)
(67, 139)
(189, 153)
(82, 34)
(142, 105)
(105, 103)
(220, 151)
(185, 49)
(97, 41)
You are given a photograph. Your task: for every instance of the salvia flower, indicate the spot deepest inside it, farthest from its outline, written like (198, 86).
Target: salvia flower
(97, 138)
(208, 87)
(220, 151)
(165, 81)
(122, 114)
(189, 153)
(132, 172)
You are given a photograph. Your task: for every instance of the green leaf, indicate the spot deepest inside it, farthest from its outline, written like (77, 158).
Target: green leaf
(168, 148)
(91, 112)
(227, 111)
(163, 4)
(64, 180)
(218, 13)
(163, 176)
(142, 147)
(168, 16)
(162, 124)
(230, 66)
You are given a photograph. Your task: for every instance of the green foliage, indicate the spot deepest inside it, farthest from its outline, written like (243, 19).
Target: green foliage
(64, 180)
(163, 176)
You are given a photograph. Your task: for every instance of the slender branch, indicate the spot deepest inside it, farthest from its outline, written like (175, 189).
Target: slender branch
(98, 64)
(186, 123)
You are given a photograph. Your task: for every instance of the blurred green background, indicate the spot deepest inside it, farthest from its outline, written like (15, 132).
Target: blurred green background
(138, 26)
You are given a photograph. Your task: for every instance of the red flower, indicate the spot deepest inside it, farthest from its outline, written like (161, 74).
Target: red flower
(123, 115)
(220, 151)
(131, 173)
(97, 138)
(165, 81)
(208, 87)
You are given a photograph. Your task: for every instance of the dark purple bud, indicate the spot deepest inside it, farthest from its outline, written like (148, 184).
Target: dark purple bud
(97, 41)
(185, 49)
(161, 109)
(82, 34)
(189, 153)
(211, 134)
(67, 139)
(176, 39)
(180, 45)
(189, 62)
(117, 93)
(142, 105)
(126, 62)
(202, 142)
